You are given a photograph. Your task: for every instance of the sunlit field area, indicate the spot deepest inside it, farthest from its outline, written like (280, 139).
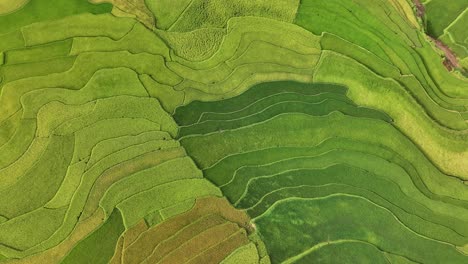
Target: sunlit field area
(233, 131)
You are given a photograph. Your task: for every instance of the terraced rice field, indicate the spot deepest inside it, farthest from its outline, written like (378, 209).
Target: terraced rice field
(242, 131)
(447, 21)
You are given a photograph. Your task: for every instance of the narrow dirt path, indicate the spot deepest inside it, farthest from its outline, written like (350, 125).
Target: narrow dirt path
(420, 9)
(451, 61)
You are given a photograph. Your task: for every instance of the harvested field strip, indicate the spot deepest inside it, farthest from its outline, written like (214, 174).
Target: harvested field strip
(220, 251)
(172, 244)
(198, 244)
(162, 241)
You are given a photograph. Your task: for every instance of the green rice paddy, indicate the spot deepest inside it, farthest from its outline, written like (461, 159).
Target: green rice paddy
(212, 131)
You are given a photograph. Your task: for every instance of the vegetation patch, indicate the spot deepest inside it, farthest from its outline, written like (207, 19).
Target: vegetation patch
(206, 131)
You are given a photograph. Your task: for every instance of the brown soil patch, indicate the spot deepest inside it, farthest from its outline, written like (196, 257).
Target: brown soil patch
(198, 244)
(191, 232)
(420, 9)
(219, 252)
(451, 60)
(155, 236)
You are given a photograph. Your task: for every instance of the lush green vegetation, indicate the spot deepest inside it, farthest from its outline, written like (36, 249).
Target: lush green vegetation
(357, 154)
(441, 14)
(447, 21)
(42, 10)
(204, 131)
